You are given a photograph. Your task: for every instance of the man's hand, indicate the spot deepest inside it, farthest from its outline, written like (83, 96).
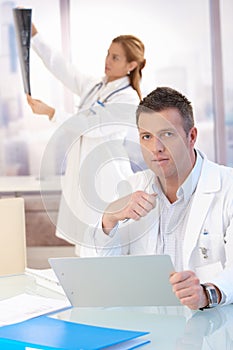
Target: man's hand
(188, 289)
(133, 206)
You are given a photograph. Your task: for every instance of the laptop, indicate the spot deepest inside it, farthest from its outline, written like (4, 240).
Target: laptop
(116, 281)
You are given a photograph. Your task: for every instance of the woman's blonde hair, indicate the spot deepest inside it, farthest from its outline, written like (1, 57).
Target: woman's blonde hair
(134, 51)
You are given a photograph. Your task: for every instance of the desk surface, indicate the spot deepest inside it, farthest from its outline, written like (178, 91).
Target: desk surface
(170, 328)
(28, 184)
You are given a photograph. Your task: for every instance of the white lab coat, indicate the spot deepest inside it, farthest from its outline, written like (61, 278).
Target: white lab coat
(77, 208)
(211, 212)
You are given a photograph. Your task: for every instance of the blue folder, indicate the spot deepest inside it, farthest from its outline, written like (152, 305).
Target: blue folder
(49, 333)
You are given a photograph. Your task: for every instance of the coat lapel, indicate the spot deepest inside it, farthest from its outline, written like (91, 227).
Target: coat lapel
(199, 210)
(209, 184)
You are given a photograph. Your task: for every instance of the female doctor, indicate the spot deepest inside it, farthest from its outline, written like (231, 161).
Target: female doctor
(120, 86)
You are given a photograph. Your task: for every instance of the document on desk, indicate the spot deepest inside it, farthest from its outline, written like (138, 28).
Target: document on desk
(45, 278)
(25, 306)
(49, 333)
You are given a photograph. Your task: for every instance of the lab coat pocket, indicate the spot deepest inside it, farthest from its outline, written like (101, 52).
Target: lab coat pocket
(211, 248)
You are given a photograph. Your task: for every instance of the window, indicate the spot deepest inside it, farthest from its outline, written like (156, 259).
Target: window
(177, 41)
(227, 51)
(23, 135)
(178, 52)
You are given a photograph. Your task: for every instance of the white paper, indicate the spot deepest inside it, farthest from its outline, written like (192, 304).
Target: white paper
(45, 278)
(25, 306)
(130, 344)
(127, 345)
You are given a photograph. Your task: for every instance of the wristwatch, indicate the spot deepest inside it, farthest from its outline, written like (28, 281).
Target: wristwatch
(211, 294)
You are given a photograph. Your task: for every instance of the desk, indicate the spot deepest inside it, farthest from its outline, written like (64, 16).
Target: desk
(20, 185)
(172, 328)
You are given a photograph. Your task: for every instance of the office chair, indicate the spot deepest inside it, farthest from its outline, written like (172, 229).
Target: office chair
(12, 236)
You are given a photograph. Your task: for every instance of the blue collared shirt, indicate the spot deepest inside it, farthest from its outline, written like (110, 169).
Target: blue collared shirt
(173, 216)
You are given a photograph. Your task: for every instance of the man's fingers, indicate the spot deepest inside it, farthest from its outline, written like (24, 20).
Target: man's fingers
(178, 277)
(133, 206)
(151, 198)
(146, 205)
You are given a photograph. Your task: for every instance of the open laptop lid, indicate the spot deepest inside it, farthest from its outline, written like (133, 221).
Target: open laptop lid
(116, 281)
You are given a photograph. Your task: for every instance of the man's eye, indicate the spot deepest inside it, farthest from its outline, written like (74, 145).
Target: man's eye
(166, 135)
(146, 137)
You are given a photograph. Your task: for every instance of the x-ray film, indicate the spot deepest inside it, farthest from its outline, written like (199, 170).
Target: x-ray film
(22, 20)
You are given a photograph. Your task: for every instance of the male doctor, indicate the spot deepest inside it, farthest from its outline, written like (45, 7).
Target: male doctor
(181, 206)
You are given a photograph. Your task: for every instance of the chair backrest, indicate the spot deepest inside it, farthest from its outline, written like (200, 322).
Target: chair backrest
(12, 236)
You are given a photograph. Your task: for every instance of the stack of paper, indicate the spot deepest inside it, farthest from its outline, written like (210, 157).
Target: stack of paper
(45, 278)
(24, 306)
(49, 333)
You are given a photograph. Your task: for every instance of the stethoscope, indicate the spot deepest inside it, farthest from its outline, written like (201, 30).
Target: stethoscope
(96, 88)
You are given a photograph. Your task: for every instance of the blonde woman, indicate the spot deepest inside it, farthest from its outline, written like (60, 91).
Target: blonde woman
(119, 86)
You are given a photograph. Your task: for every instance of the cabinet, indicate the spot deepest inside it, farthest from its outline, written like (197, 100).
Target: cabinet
(40, 221)
(41, 240)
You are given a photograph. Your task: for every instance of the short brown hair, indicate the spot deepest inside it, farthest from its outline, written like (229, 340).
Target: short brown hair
(166, 97)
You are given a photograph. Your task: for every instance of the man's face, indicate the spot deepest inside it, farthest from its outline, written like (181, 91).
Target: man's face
(166, 148)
